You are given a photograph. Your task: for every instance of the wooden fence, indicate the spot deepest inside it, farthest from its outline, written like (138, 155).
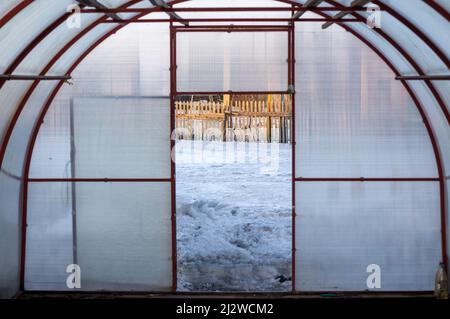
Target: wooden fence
(258, 120)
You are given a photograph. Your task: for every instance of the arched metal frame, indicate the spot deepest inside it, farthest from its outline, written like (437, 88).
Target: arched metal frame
(9, 17)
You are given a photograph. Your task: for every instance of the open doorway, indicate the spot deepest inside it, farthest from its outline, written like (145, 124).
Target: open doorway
(233, 192)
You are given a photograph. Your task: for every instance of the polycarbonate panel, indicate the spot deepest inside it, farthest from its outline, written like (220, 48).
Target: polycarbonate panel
(425, 18)
(121, 137)
(51, 153)
(231, 3)
(240, 61)
(352, 118)
(10, 96)
(134, 61)
(112, 68)
(235, 14)
(391, 53)
(49, 248)
(43, 52)
(22, 132)
(444, 3)
(19, 141)
(154, 58)
(408, 40)
(342, 228)
(124, 236)
(37, 59)
(441, 129)
(419, 50)
(122, 242)
(9, 235)
(7, 5)
(443, 88)
(84, 43)
(26, 25)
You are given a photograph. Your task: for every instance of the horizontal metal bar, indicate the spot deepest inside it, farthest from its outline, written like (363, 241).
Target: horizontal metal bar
(235, 20)
(423, 77)
(225, 9)
(230, 30)
(163, 180)
(122, 96)
(9, 77)
(232, 26)
(233, 93)
(100, 180)
(368, 179)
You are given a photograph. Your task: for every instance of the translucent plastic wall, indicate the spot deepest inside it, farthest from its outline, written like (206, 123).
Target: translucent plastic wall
(114, 123)
(28, 24)
(23, 53)
(354, 120)
(414, 37)
(9, 234)
(241, 61)
(13, 39)
(122, 236)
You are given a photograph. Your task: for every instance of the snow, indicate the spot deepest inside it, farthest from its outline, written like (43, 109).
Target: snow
(234, 217)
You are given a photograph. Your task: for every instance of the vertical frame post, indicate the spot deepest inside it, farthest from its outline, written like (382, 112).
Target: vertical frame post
(291, 83)
(173, 89)
(23, 231)
(73, 184)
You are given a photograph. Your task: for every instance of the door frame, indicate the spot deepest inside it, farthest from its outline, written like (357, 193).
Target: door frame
(290, 31)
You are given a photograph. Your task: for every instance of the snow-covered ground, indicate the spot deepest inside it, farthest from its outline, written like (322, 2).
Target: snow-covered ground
(233, 216)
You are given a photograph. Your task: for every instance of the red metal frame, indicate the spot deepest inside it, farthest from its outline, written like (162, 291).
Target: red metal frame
(441, 55)
(99, 180)
(291, 64)
(232, 92)
(409, 58)
(173, 88)
(38, 39)
(416, 30)
(298, 7)
(14, 11)
(22, 55)
(366, 179)
(32, 141)
(237, 20)
(25, 3)
(233, 29)
(290, 31)
(438, 8)
(430, 132)
(423, 114)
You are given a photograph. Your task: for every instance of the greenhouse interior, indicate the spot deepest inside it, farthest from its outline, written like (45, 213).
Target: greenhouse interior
(275, 147)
